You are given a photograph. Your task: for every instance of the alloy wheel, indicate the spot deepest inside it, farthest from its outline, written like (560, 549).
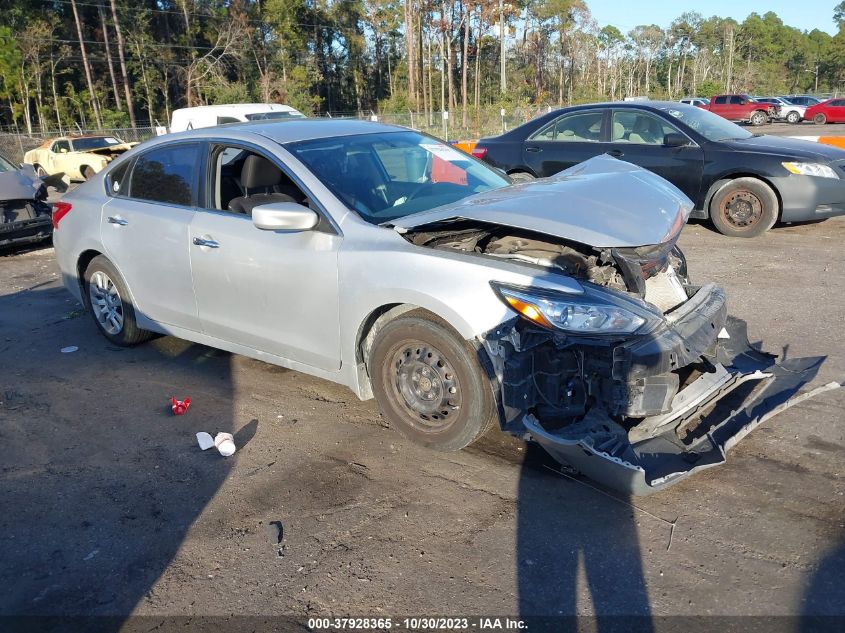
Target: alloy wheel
(106, 302)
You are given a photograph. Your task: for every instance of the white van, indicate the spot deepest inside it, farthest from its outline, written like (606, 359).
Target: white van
(209, 116)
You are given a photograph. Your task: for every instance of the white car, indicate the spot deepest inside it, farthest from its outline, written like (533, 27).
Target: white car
(788, 111)
(209, 116)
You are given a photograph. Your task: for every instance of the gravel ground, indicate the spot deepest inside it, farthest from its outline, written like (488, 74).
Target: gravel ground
(109, 507)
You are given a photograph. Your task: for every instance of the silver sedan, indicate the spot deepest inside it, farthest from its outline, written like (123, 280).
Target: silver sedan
(382, 259)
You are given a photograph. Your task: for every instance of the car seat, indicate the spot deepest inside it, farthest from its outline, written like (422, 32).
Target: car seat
(272, 184)
(647, 131)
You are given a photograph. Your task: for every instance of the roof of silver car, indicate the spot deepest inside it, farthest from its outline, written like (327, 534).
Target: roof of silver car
(291, 130)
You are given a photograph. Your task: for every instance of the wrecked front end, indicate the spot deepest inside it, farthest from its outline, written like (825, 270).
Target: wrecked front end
(640, 381)
(25, 215)
(639, 414)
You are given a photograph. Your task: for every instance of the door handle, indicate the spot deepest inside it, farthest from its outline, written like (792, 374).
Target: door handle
(533, 149)
(116, 219)
(616, 153)
(198, 241)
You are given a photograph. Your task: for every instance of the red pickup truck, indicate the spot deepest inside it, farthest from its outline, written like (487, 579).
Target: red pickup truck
(739, 107)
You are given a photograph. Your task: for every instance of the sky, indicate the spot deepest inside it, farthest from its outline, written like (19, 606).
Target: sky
(626, 14)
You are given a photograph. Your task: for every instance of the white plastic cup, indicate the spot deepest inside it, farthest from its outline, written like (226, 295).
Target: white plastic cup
(225, 443)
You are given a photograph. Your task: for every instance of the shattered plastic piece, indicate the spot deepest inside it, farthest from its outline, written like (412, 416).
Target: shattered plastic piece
(225, 443)
(69, 349)
(180, 406)
(205, 440)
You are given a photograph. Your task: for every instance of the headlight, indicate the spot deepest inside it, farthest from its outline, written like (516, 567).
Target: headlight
(811, 169)
(573, 314)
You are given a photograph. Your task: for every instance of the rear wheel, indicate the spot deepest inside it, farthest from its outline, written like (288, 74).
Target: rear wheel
(759, 118)
(521, 176)
(429, 384)
(820, 119)
(107, 297)
(745, 207)
(793, 117)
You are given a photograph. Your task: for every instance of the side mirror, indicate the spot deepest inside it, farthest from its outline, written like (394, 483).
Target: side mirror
(675, 139)
(284, 216)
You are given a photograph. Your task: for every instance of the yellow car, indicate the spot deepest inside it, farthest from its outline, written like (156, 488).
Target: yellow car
(78, 157)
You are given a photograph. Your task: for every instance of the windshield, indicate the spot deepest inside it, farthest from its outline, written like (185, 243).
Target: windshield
(275, 114)
(5, 165)
(710, 126)
(94, 142)
(394, 174)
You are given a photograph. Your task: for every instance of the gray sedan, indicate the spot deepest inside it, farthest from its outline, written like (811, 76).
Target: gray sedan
(376, 257)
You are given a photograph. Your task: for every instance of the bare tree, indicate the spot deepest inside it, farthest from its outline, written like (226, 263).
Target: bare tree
(91, 92)
(122, 57)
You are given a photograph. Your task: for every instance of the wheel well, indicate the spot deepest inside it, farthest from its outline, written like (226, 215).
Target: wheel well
(367, 331)
(81, 265)
(728, 178)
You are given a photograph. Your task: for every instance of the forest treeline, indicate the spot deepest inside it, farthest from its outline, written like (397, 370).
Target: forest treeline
(116, 63)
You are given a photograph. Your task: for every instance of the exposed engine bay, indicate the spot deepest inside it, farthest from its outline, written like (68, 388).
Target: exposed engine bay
(636, 412)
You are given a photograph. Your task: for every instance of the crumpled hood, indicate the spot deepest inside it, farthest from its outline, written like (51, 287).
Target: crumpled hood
(111, 149)
(19, 184)
(602, 202)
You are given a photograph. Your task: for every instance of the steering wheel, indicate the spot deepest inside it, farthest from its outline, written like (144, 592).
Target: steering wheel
(419, 192)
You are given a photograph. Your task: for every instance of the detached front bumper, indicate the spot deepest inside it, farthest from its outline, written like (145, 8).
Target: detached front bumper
(707, 419)
(641, 414)
(25, 231)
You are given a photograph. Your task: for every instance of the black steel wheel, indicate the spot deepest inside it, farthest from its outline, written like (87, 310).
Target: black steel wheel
(429, 383)
(745, 207)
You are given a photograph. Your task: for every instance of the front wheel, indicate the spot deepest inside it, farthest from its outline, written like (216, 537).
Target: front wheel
(793, 117)
(107, 297)
(745, 207)
(820, 119)
(88, 172)
(759, 118)
(429, 384)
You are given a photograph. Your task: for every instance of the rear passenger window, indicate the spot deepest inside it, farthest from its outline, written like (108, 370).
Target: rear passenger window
(575, 127)
(721, 100)
(167, 174)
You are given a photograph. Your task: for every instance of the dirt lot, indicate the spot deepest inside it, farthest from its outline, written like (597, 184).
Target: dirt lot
(109, 507)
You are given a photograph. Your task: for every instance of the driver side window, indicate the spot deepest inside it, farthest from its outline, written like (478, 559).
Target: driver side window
(241, 179)
(641, 128)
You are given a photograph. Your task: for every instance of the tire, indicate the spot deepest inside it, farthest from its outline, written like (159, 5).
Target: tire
(429, 384)
(758, 118)
(820, 119)
(521, 176)
(745, 207)
(87, 172)
(793, 117)
(103, 286)
(40, 171)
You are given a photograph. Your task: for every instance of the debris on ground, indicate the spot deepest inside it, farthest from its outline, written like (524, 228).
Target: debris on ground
(69, 349)
(225, 442)
(179, 406)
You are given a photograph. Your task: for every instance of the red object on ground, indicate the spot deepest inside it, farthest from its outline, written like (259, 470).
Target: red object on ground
(180, 406)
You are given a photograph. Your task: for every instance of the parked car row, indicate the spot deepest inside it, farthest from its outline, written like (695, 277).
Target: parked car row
(379, 258)
(792, 109)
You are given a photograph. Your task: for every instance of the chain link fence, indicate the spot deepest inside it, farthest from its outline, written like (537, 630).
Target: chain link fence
(14, 142)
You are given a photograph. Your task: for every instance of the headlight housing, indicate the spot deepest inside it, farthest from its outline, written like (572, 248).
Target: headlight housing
(811, 169)
(578, 314)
